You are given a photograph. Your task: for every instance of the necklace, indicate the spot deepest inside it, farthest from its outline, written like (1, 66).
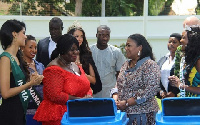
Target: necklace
(132, 65)
(69, 65)
(30, 63)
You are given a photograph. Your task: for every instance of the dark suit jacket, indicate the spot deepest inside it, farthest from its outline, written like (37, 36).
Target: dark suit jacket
(170, 88)
(43, 52)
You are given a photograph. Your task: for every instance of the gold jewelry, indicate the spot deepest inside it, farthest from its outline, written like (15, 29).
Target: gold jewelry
(30, 63)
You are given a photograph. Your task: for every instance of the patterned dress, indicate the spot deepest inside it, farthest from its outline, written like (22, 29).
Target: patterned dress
(58, 85)
(193, 80)
(142, 83)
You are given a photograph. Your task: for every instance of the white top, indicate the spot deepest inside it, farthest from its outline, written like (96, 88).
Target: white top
(107, 61)
(165, 71)
(52, 46)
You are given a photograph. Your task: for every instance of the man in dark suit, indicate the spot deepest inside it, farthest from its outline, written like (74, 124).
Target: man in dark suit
(46, 46)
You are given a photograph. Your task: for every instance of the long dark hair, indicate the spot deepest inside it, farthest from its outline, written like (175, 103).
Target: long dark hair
(6, 39)
(85, 52)
(64, 44)
(146, 48)
(192, 51)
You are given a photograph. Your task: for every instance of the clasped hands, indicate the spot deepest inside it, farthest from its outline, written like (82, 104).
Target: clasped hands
(121, 104)
(36, 79)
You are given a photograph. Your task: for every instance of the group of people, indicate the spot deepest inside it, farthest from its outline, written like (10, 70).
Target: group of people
(180, 67)
(57, 69)
(67, 68)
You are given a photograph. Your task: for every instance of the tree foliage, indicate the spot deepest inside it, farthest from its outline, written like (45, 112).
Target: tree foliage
(90, 7)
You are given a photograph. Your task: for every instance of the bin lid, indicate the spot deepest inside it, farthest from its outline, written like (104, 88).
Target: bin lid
(181, 106)
(92, 107)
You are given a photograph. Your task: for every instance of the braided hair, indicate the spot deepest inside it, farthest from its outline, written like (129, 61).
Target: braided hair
(192, 51)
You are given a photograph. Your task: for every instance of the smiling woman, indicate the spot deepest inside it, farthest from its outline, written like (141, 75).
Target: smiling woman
(63, 81)
(138, 82)
(29, 51)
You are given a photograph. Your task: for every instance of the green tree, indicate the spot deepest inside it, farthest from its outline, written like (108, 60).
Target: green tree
(90, 7)
(35, 7)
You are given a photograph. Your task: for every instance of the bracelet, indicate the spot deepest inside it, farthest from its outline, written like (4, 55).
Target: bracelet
(180, 86)
(161, 92)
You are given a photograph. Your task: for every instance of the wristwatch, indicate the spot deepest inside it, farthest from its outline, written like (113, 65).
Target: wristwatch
(126, 103)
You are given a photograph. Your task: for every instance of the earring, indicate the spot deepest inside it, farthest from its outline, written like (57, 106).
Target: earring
(138, 53)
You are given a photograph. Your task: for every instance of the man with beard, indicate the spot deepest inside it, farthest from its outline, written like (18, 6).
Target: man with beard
(46, 46)
(108, 60)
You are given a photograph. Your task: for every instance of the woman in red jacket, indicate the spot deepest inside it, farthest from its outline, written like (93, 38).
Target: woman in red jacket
(63, 81)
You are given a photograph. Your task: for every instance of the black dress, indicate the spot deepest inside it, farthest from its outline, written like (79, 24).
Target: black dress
(11, 110)
(98, 85)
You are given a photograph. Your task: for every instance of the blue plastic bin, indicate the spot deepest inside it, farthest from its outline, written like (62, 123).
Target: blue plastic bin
(93, 111)
(179, 111)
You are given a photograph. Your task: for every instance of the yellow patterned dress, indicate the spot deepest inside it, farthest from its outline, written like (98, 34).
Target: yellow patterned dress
(194, 81)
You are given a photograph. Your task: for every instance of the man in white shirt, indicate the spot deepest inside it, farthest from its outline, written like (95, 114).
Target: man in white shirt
(108, 60)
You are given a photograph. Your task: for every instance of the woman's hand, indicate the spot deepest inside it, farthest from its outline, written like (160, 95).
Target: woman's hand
(36, 79)
(78, 63)
(121, 105)
(87, 96)
(174, 81)
(163, 94)
(115, 97)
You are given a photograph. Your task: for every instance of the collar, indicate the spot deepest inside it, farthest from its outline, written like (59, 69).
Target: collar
(138, 64)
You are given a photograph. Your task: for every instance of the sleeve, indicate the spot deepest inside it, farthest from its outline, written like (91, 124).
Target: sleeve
(53, 86)
(172, 89)
(120, 60)
(151, 79)
(89, 92)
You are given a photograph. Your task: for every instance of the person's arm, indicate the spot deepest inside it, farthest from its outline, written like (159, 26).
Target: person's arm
(91, 75)
(53, 86)
(5, 70)
(175, 81)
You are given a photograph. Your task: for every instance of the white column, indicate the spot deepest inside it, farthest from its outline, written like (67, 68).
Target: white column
(145, 15)
(103, 8)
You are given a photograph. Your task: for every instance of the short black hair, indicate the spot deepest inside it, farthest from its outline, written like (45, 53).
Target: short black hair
(56, 20)
(64, 45)
(176, 35)
(29, 37)
(103, 27)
